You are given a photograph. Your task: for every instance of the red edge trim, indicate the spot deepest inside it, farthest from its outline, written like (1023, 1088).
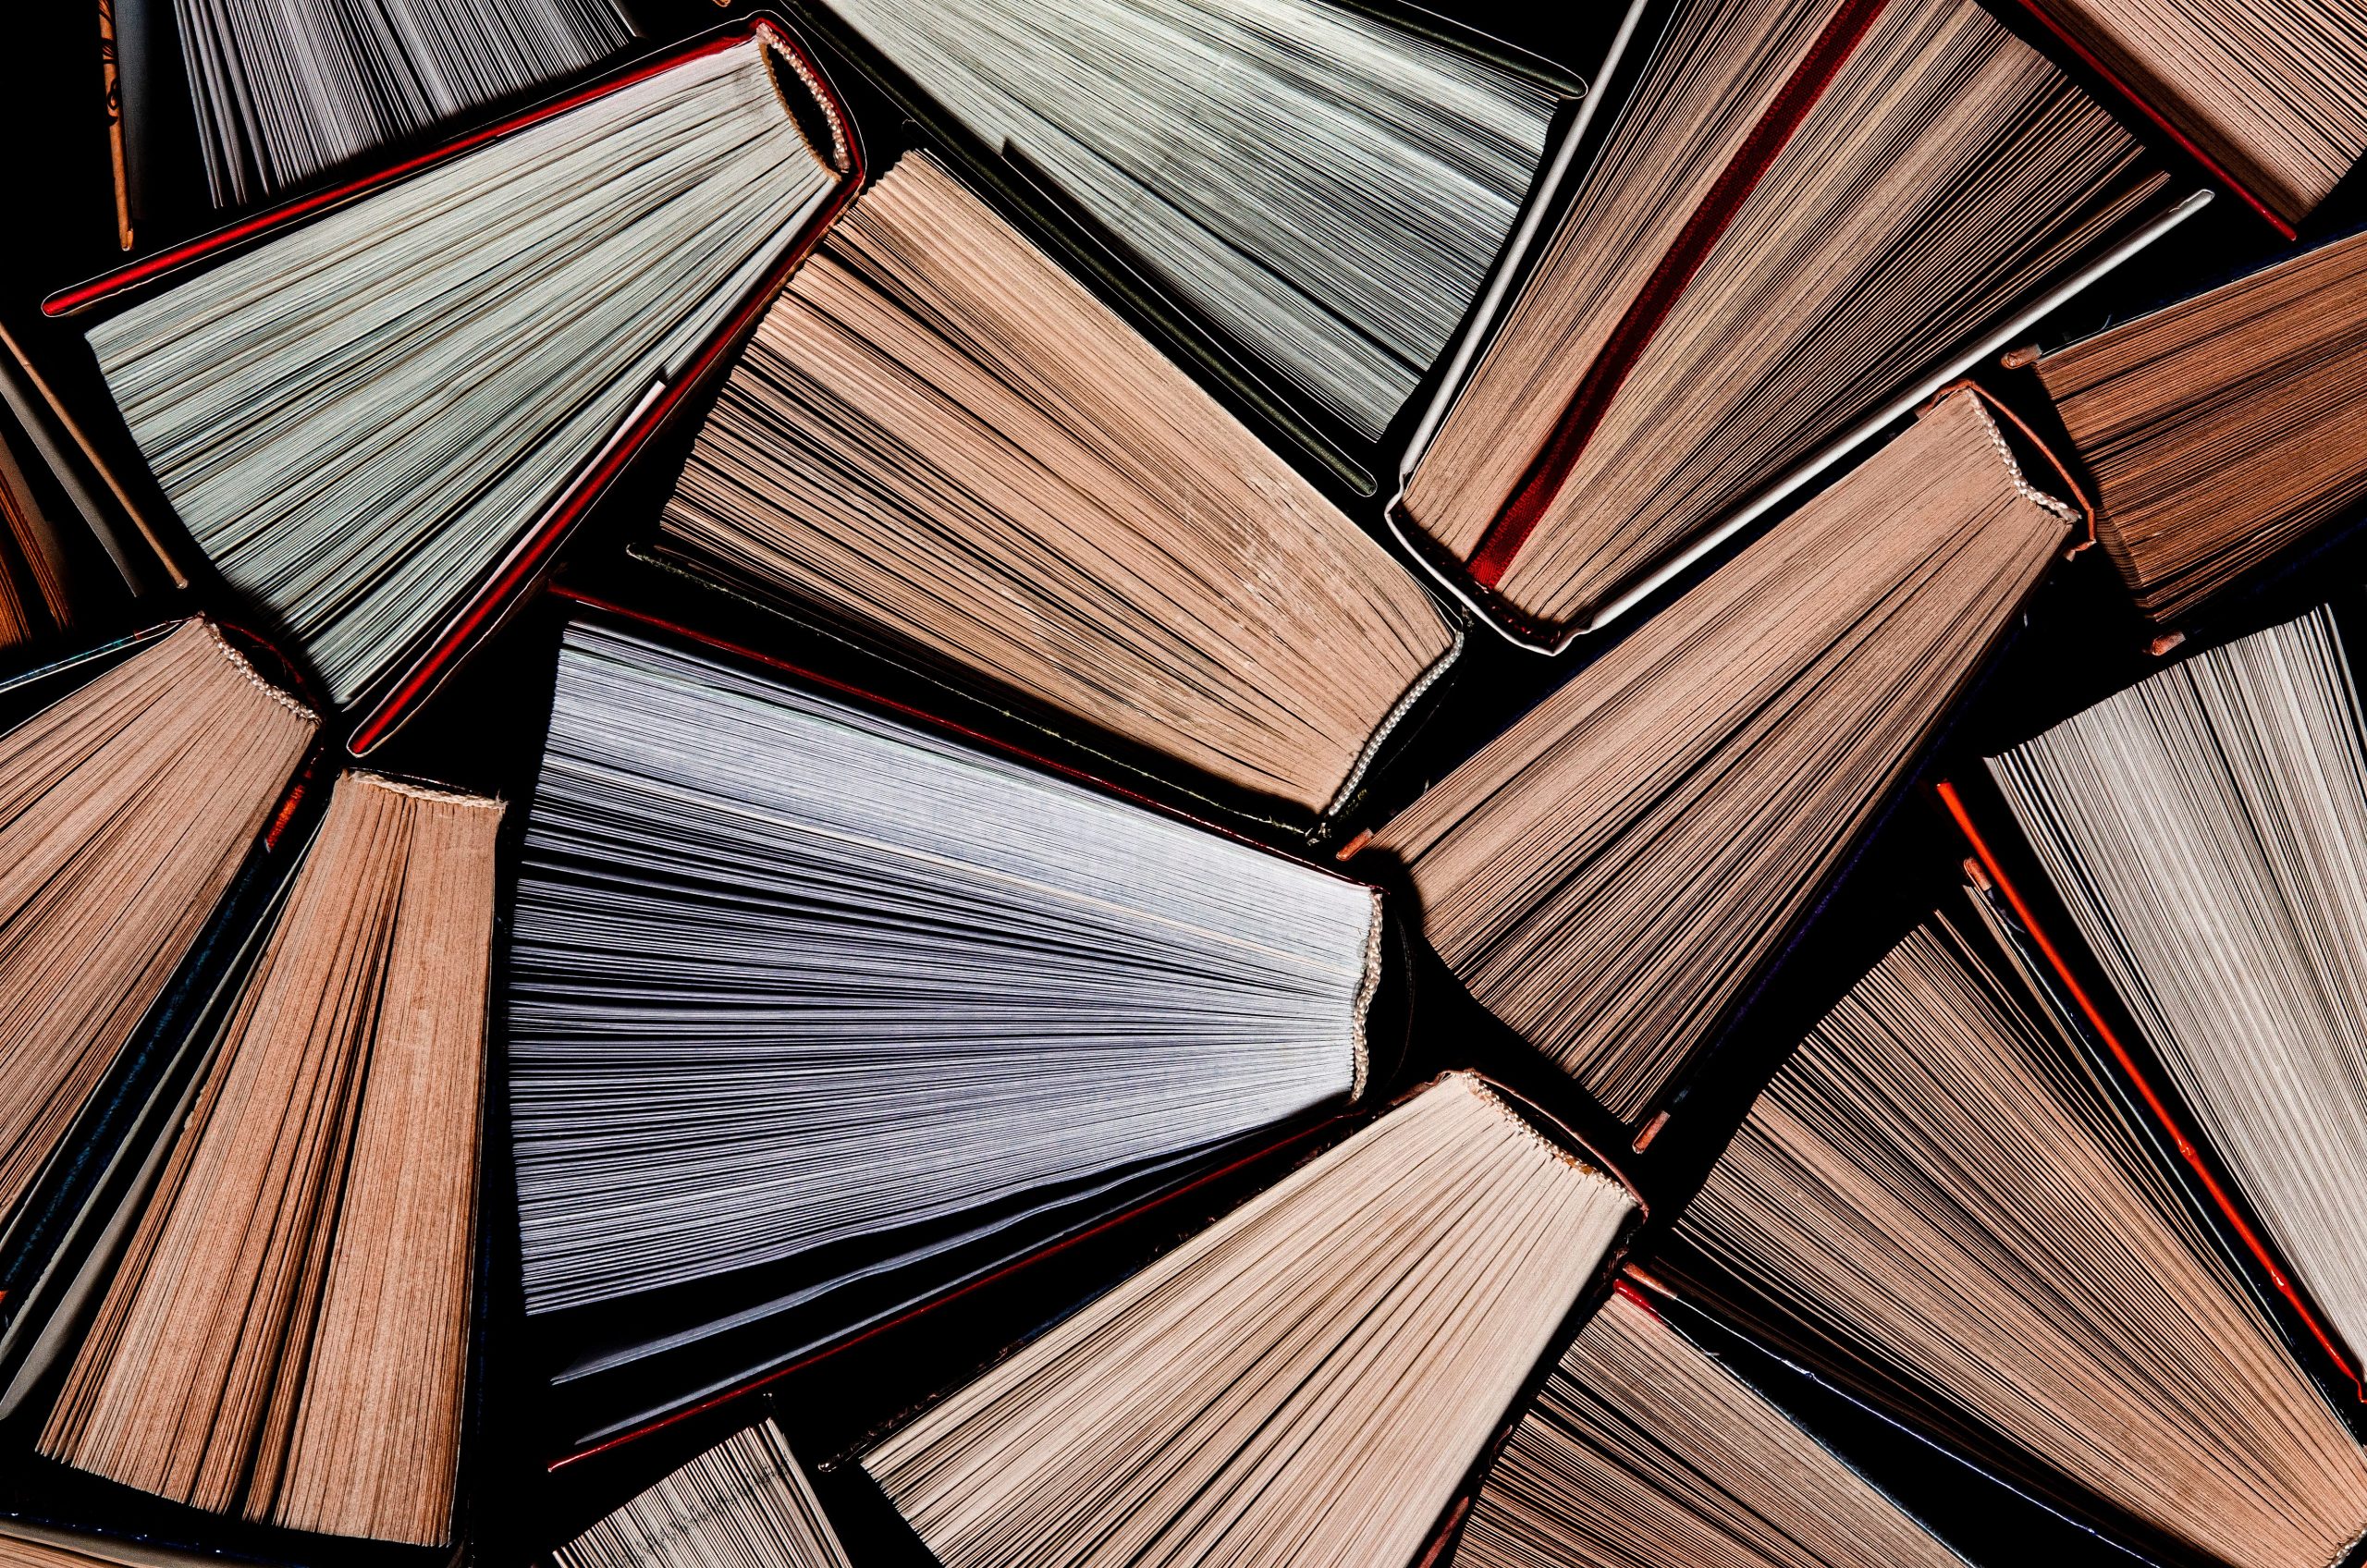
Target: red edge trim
(1634, 1297)
(68, 301)
(2252, 1242)
(942, 726)
(2210, 166)
(1645, 313)
(498, 596)
(935, 1303)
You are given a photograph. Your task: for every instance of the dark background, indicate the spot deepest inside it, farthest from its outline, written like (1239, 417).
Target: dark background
(2077, 642)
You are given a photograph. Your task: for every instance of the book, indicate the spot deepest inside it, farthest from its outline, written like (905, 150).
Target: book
(110, 77)
(285, 91)
(1306, 1381)
(59, 480)
(938, 439)
(1320, 190)
(2272, 99)
(1936, 1187)
(1643, 1450)
(579, 267)
(286, 1335)
(815, 1012)
(131, 801)
(38, 572)
(1810, 215)
(2199, 828)
(1610, 875)
(746, 1500)
(2220, 430)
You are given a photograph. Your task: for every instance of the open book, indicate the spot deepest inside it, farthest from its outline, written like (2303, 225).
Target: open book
(1306, 196)
(2224, 428)
(1306, 1383)
(288, 381)
(1810, 216)
(816, 1012)
(1611, 874)
(944, 445)
(1940, 1198)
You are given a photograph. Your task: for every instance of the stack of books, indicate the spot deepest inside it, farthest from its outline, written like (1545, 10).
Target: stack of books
(1178, 782)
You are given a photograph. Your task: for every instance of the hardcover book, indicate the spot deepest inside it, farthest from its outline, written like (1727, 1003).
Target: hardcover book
(1943, 1203)
(580, 265)
(1808, 217)
(818, 1013)
(1610, 875)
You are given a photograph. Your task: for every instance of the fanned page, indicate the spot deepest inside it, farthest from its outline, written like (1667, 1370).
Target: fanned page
(1608, 874)
(2207, 830)
(792, 982)
(938, 432)
(744, 1503)
(40, 585)
(2225, 427)
(285, 1336)
(2274, 93)
(1642, 1451)
(126, 808)
(1325, 186)
(1933, 1181)
(296, 400)
(1304, 1383)
(284, 88)
(25, 1553)
(1942, 178)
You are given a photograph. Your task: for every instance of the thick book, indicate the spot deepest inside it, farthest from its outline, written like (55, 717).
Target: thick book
(151, 781)
(2222, 431)
(286, 1329)
(584, 265)
(2271, 99)
(1940, 1201)
(819, 1011)
(2180, 854)
(1615, 874)
(1311, 1380)
(1809, 216)
(939, 445)
(1301, 200)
